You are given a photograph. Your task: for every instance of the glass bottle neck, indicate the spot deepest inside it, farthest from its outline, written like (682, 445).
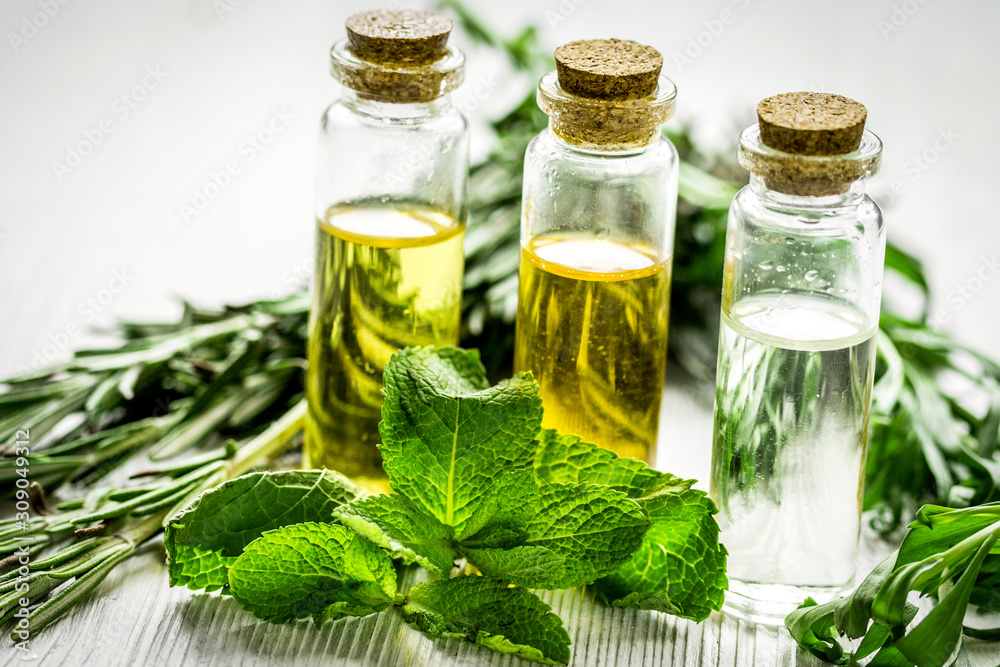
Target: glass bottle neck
(610, 150)
(853, 197)
(398, 112)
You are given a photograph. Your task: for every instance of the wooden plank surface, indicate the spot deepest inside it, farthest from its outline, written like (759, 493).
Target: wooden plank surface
(136, 619)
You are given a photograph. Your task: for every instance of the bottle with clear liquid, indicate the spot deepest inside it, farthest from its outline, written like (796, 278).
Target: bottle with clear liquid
(391, 209)
(597, 230)
(800, 306)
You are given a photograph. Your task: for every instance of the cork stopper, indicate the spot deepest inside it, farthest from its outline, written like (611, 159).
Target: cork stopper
(608, 69)
(812, 123)
(397, 56)
(398, 36)
(810, 144)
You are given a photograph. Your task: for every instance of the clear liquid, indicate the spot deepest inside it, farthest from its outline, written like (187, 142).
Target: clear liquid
(592, 328)
(386, 278)
(793, 399)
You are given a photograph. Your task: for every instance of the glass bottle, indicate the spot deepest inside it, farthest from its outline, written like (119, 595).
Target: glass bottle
(597, 230)
(800, 308)
(391, 210)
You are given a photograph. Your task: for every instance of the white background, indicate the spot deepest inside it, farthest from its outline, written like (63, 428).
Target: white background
(925, 70)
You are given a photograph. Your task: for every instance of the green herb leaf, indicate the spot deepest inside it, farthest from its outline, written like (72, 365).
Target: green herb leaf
(910, 268)
(503, 516)
(854, 612)
(816, 627)
(937, 639)
(205, 539)
(491, 613)
(812, 627)
(566, 459)
(446, 434)
(939, 528)
(681, 567)
(941, 545)
(394, 524)
(580, 532)
(890, 656)
(312, 569)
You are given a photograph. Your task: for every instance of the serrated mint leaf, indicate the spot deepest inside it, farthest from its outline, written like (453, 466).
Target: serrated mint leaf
(205, 538)
(680, 568)
(198, 569)
(502, 517)
(447, 435)
(394, 524)
(566, 459)
(487, 611)
(580, 532)
(312, 569)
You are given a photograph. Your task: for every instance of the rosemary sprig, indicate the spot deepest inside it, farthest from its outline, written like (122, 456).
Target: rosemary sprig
(129, 520)
(211, 375)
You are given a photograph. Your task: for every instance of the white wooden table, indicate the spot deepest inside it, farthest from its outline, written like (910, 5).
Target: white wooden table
(135, 619)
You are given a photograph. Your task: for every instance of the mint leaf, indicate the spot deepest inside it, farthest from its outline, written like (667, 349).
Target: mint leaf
(488, 612)
(205, 538)
(394, 524)
(446, 434)
(566, 459)
(312, 569)
(579, 533)
(502, 517)
(196, 568)
(680, 568)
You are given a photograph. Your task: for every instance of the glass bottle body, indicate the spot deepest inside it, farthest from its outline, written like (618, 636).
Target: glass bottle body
(391, 210)
(800, 308)
(596, 249)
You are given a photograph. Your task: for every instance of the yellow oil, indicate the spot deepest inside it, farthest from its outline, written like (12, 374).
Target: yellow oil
(592, 327)
(386, 278)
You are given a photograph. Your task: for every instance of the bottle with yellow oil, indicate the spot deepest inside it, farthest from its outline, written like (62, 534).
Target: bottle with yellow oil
(391, 208)
(597, 229)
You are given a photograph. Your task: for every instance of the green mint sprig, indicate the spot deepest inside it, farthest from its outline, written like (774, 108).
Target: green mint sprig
(476, 478)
